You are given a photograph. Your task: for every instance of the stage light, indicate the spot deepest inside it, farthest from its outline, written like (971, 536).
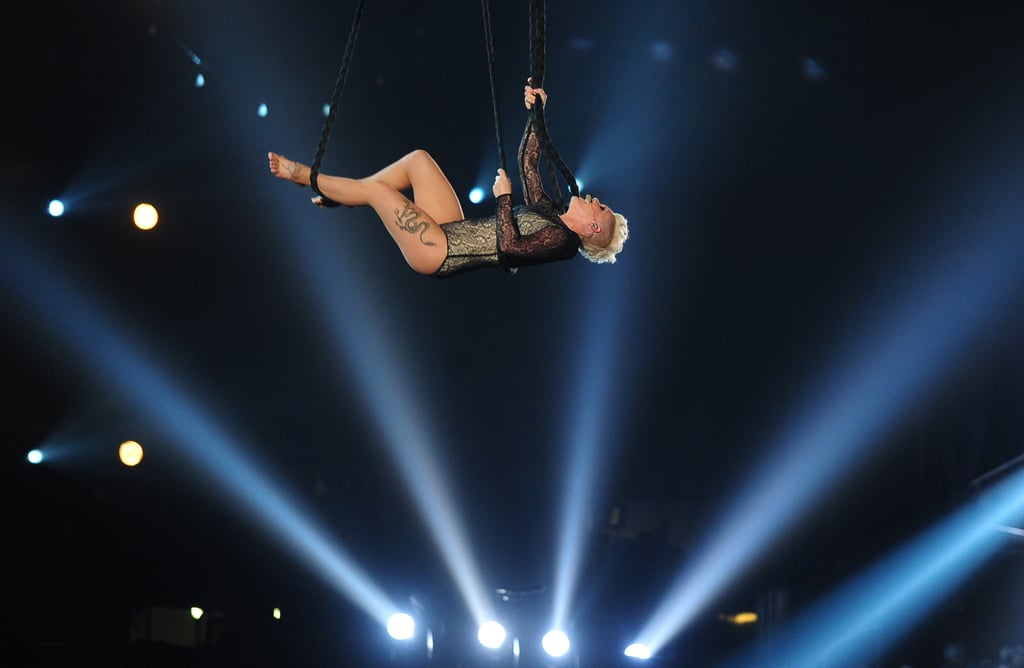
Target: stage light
(401, 626)
(196, 613)
(145, 216)
(55, 208)
(491, 635)
(35, 456)
(130, 453)
(476, 195)
(740, 618)
(555, 643)
(276, 613)
(813, 69)
(262, 110)
(725, 60)
(638, 651)
(662, 51)
(200, 80)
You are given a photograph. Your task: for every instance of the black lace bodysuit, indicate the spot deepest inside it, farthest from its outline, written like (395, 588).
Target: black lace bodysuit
(528, 235)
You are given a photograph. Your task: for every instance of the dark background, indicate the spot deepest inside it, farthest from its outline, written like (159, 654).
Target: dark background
(779, 208)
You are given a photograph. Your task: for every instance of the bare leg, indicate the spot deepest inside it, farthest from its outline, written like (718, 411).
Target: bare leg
(414, 224)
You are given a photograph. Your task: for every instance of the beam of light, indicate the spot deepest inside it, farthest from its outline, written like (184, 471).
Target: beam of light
(874, 610)
(98, 344)
(365, 347)
(893, 358)
(591, 432)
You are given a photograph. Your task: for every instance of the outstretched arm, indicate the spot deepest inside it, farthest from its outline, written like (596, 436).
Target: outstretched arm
(529, 151)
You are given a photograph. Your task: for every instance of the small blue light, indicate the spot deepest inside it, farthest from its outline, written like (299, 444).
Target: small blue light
(662, 51)
(725, 60)
(200, 80)
(262, 111)
(813, 69)
(476, 195)
(35, 456)
(55, 208)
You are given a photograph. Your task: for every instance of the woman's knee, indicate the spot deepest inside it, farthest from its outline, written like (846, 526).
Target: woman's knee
(420, 155)
(377, 191)
(419, 162)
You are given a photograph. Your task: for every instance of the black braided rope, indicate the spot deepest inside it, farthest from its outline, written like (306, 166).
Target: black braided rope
(538, 39)
(538, 57)
(494, 88)
(314, 168)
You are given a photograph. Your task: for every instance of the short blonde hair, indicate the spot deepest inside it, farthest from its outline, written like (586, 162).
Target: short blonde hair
(606, 254)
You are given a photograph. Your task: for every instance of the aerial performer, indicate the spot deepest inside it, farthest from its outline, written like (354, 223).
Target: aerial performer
(437, 239)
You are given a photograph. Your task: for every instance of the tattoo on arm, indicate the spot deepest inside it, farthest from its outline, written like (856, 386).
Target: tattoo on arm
(408, 219)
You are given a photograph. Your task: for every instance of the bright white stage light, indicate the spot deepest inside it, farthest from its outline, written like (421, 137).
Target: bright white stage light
(555, 643)
(55, 208)
(34, 456)
(491, 634)
(476, 195)
(262, 111)
(401, 626)
(638, 651)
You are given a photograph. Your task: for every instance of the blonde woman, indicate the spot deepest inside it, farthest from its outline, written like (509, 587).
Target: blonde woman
(435, 237)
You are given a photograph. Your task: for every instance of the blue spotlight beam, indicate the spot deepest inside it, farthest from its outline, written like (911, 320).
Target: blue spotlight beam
(96, 343)
(585, 463)
(375, 357)
(902, 353)
(874, 610)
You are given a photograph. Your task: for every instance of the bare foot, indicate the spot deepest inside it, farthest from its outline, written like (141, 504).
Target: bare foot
(289, 170)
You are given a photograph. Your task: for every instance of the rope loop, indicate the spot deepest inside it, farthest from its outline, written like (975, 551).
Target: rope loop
(321, 147)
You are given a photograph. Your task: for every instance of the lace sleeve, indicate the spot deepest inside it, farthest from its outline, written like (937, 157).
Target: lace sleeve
(550, 243)
(529, 160)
